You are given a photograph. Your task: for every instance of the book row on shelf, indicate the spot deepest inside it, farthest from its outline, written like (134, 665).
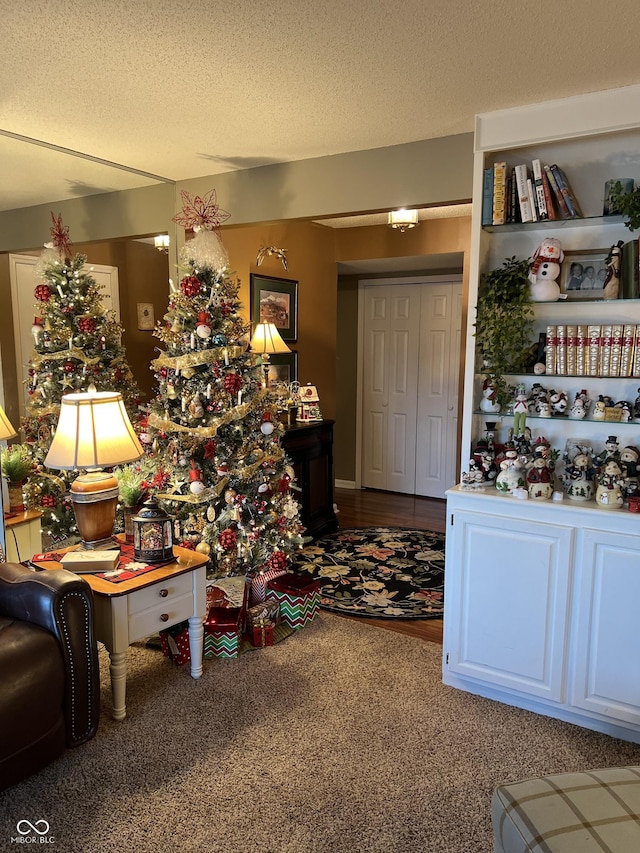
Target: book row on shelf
(611, 349)
(524, 193)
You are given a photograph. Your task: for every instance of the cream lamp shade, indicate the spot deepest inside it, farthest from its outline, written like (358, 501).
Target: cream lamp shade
(6, 428)
(93, 432)
(266, 340)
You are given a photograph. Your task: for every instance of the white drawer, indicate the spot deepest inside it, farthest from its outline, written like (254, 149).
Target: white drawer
(164, 591)
(150, 621)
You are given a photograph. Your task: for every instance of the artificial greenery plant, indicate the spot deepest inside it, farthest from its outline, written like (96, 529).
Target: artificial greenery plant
(131, 485)
(504, 324)
(16, 463)
(628, 204)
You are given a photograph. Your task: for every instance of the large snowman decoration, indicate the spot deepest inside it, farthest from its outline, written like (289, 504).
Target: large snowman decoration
(544, 269)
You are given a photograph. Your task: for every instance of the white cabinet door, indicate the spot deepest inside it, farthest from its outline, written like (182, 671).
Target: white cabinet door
(607, 663)
(506, 593)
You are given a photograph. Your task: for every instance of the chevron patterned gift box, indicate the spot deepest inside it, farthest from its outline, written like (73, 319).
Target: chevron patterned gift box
(222, 632)
(299, 598)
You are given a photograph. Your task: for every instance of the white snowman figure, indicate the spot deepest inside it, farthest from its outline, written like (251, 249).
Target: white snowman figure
(488, 403)
(544, 269)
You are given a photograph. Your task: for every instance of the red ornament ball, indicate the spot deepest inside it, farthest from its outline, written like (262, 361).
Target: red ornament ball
(190, 286)
(69, 366)
(42, 293)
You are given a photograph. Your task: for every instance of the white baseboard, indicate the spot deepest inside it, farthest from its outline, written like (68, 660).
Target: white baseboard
(345, 484)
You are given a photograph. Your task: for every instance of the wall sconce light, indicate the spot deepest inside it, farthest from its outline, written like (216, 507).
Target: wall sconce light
(266, 341)
(161, 242)
(403, 219)
(93, 432)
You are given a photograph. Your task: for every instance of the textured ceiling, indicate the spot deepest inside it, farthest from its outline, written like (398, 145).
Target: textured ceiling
(182, 89)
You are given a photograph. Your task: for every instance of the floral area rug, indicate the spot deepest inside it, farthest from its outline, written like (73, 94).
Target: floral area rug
(383, 572)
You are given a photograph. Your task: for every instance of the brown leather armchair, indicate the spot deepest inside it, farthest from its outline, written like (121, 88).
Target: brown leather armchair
(49, 678)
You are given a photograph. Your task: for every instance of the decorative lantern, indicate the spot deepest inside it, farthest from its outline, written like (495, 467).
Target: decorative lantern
(152, 534)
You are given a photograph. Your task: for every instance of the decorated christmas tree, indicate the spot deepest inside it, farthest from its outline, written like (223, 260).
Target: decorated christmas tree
(77, 342)
(212, 429)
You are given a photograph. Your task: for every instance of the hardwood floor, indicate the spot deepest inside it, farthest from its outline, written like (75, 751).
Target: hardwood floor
(371, 508)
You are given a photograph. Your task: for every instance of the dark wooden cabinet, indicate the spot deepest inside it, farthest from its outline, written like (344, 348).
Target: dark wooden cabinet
(310, 448)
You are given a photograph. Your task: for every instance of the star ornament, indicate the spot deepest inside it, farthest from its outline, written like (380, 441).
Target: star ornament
(199, 212)
(60, 235)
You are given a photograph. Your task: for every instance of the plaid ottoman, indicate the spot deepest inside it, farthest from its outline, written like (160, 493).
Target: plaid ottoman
(597, 811)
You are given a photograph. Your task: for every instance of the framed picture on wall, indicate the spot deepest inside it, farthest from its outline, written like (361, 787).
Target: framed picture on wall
(275, 300)
(283, 367)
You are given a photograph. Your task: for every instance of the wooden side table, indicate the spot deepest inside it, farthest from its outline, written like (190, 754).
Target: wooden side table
(136, 608)
(23, 536)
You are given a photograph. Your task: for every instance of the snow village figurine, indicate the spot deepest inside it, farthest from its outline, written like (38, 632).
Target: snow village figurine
(544, 269)
(473, 478)
(539, 479)
(510, 476)
(488, 402)
(520, 410)
(537, 394)
(611, 287)
(579, 478)
(629, 458)
(610, 482)
(483, 457)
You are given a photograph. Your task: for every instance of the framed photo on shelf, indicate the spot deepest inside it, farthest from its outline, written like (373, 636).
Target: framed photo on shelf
(583, 274)
(283, 367)
(275, 300)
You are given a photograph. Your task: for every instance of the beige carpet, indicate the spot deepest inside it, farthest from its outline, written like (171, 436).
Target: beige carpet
(341, 738)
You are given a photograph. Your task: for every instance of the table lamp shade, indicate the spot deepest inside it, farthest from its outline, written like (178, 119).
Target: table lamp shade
(6, 428)
(266, 340)
(94, 431)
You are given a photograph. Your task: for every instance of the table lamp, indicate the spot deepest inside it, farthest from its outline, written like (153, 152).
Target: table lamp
(266, 341)
(93, 432)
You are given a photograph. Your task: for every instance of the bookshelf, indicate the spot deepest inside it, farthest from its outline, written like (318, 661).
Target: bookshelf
(541, 596)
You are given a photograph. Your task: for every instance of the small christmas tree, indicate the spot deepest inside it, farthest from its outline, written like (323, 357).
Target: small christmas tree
(212, 429)
(77, 342)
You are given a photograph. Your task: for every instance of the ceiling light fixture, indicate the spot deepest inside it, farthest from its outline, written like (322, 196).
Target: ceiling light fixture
(403, 219)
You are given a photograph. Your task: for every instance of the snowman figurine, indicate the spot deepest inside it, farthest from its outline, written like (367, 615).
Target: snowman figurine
(488, 402)
(544, 269)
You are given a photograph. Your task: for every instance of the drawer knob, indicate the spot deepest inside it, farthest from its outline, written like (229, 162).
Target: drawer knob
(164, 617)
(164, 593)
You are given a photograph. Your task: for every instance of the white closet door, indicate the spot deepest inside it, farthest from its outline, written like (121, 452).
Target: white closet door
(23, 283)
(390, 375)
(440, 322)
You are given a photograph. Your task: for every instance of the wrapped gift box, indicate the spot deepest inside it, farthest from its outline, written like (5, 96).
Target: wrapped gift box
(259, 583)
(174, 643)
(262, 635)
(263, 614)
(222, 630)
(298, 598)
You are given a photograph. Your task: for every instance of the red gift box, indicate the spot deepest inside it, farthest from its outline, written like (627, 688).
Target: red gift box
(293, 583)
(262, 635)
(222, 629)
(174, 643)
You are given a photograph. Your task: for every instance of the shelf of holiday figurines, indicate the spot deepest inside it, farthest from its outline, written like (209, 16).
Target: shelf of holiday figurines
(551, 224)
(564, 419)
